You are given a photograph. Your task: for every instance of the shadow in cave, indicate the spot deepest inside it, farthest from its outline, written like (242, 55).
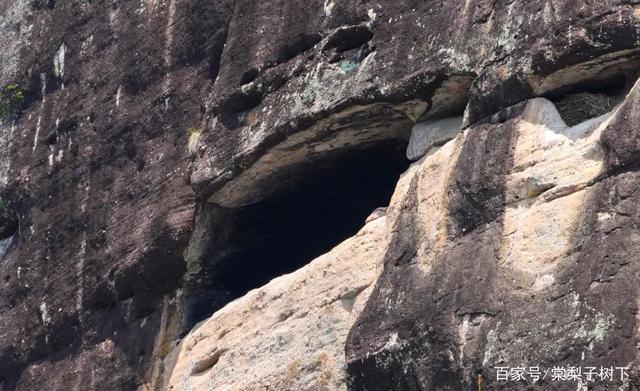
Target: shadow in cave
(583, 101)
(321, 203)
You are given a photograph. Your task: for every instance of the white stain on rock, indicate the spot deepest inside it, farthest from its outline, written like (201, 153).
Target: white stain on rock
(58, 62)
(44, 314)
(118, 95)
(328, 7)
(43, 91)
(372, 15)
(169, 33)
(393, 344)
(6, 137)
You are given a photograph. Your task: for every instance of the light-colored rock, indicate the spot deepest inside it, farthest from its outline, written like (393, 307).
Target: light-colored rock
(4, 246)
(545, 191)
(424, 187)
(515, 242)
(376, 214)
(553, 166)
(429, 134)
(6, 137)
(15, 35)
(289, 334)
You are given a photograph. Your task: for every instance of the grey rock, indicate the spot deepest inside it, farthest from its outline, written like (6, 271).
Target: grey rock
(430, 134)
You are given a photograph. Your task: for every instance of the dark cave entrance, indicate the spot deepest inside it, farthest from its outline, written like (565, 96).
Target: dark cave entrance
(323, 203)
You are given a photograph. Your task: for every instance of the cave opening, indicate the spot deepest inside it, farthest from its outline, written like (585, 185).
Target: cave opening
(590, 99)
(322, 203)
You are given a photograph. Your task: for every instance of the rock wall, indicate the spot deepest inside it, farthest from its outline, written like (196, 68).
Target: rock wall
(98, 174)
(525, 259)
(513, 243)
(529, 275)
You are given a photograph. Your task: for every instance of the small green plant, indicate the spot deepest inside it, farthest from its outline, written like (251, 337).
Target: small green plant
(11, 99)
(194, 138)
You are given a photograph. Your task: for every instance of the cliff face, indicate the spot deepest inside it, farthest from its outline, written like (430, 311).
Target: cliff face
(171, 156)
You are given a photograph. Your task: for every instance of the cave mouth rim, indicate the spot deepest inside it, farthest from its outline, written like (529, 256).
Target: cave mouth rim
(307, 217)
(589, 99)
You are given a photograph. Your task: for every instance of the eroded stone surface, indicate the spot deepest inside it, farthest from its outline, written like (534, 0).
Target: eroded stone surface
(289, 334)
(477, 272)
(493, 54)
(535, 268)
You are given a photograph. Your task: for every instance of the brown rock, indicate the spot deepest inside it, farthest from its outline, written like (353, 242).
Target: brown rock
(110, 198)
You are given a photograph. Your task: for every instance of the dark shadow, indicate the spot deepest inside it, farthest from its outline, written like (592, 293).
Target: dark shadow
(581, 102)
(327, 202)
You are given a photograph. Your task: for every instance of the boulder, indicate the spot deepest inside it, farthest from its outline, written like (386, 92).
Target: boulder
(429, 134)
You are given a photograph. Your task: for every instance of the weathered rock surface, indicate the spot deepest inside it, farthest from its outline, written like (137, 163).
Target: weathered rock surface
(445, 305)
(506, 296)
(428, 60)
(527, 257)
(519, 236)
(289, 334)
(96, 169)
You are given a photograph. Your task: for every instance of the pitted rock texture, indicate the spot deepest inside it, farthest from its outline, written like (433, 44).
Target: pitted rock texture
(107, 183)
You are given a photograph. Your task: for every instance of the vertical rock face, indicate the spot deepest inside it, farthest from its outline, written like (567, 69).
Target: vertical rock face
(515, 243)
(523, 259)
(96, 170)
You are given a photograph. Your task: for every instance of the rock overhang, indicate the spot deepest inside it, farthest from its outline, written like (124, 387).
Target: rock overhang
(450, 74)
